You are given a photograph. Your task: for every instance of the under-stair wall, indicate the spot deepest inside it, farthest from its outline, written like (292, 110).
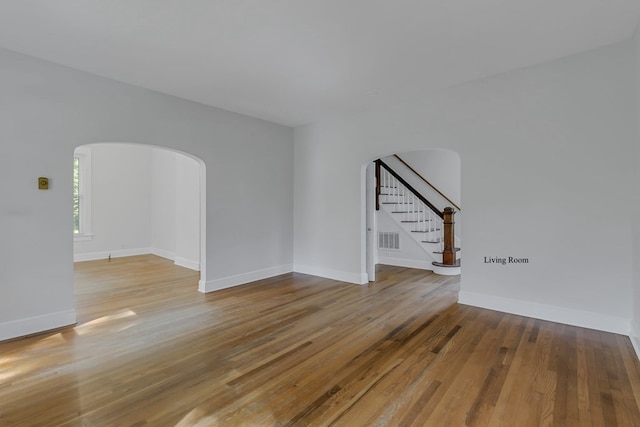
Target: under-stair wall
(408, 252)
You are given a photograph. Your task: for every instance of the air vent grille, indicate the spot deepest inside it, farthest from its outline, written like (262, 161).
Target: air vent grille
(388, 240)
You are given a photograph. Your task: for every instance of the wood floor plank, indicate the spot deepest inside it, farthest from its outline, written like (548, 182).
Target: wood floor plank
(298, 350)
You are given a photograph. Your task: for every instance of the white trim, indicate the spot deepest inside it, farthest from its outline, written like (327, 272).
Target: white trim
(187, 263)
(36, 324)
(635, 340)
(244, 278)
(83, 153)
(569, 316)
(92, 256)
(162, 253)
(119, 253)
(342, 276)
(446, 271)
(82, 237)
(408, 263)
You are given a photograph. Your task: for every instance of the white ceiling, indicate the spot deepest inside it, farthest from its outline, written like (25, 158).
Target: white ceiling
(299, 61)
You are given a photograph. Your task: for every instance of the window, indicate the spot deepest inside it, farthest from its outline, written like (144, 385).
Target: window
(82, 194)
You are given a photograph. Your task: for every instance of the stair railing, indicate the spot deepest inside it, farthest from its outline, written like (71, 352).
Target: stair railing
(393, 175)
(416, 209)
(427, 182)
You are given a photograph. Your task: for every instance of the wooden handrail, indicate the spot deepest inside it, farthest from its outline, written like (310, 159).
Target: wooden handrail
(427, 182)
(410, 188)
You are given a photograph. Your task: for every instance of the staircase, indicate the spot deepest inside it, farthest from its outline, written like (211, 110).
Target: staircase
(420, 219)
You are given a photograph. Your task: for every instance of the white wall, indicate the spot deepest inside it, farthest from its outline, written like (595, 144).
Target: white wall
(440, 167)
(410, 254)
(163, 203)
(120, 183)
(175, 213)
(635, 327)
(47, 110)
(546, 155)
(145, 200)
(187, 212)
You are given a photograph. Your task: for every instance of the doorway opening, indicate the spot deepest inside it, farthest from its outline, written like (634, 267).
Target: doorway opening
(405, 198)
(135, 199)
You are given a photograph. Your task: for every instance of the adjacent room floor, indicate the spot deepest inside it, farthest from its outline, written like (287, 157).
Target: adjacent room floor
(301, 350)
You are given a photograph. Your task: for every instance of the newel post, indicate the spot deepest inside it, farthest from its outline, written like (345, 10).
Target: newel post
(449, 250)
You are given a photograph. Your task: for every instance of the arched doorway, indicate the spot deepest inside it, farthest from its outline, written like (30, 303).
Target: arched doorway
(132, 199)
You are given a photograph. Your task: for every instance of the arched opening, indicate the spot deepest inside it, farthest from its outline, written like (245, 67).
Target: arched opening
(135, 199)
(400, 213)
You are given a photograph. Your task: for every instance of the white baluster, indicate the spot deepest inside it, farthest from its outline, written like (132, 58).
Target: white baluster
(416, 213)
(386, 181)
(413, 207)
(404, 202)
(388, 185)
(383, 179)
(430, 222)
(392, 189)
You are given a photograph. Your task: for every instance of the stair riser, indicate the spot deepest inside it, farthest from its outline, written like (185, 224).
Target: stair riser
(438, 257)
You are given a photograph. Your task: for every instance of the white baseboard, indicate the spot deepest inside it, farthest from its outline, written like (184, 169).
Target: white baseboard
(584, 319)
(162, 253)
(187, 263)
(241, 279)
(119, 253)
(408, 263)
(32, 325)
(635, 340)
(342, 276)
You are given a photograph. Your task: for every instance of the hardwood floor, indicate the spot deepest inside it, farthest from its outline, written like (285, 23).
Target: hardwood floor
(298, 350)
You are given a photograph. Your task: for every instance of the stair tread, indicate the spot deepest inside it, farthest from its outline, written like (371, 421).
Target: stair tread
(425, 231)
(397, 203)
(431, 241)
(441, 252)
(407, 211)
(439, 264)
